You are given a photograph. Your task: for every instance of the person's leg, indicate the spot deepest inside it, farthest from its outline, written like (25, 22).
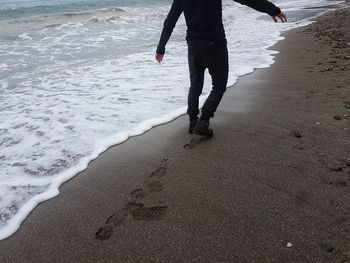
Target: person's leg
(217, 63)
(196, 79)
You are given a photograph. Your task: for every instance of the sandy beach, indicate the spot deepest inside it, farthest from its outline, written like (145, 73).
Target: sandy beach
(273, 185)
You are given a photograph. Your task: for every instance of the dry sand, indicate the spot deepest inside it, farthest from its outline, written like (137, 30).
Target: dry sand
(276, 173)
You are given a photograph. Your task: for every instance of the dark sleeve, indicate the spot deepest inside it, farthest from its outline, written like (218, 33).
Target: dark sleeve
(263, 6)
(169, 25)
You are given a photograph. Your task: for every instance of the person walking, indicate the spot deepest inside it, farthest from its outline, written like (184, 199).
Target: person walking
(207, 49)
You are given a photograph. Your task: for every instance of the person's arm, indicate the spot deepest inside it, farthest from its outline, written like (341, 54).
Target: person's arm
(168, 28)
(265, 6)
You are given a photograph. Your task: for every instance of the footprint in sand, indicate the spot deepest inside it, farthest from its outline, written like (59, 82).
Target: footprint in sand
(161, 171)
(327, 247)
(140, 212)
(151, 184)
(149, 187)
(135, 207)
(104, 232)
(338, 183)
(296, 134)
(195, 141)
(331, 162)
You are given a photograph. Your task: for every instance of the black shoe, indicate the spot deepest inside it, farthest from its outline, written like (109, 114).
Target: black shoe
(192, 125)
(202, 129)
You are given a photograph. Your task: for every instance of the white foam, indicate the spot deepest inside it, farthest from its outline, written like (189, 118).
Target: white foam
(14, 223)
(25, 36)
(3, 66)
(93, 85)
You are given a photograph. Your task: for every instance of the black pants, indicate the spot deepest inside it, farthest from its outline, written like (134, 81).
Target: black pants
(214, 57)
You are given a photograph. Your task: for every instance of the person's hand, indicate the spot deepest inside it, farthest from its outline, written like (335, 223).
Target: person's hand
(159, 57)
(281, 16)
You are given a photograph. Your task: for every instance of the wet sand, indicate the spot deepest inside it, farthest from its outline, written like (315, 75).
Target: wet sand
(276, 172)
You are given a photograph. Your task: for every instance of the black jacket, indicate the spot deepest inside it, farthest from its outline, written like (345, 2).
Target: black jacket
(204, 19)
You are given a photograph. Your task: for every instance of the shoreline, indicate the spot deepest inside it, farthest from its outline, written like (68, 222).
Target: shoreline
(55, 181)
(115, 140)
(160, 143)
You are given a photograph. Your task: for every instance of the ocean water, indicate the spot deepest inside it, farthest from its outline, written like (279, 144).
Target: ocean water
(79, 76)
